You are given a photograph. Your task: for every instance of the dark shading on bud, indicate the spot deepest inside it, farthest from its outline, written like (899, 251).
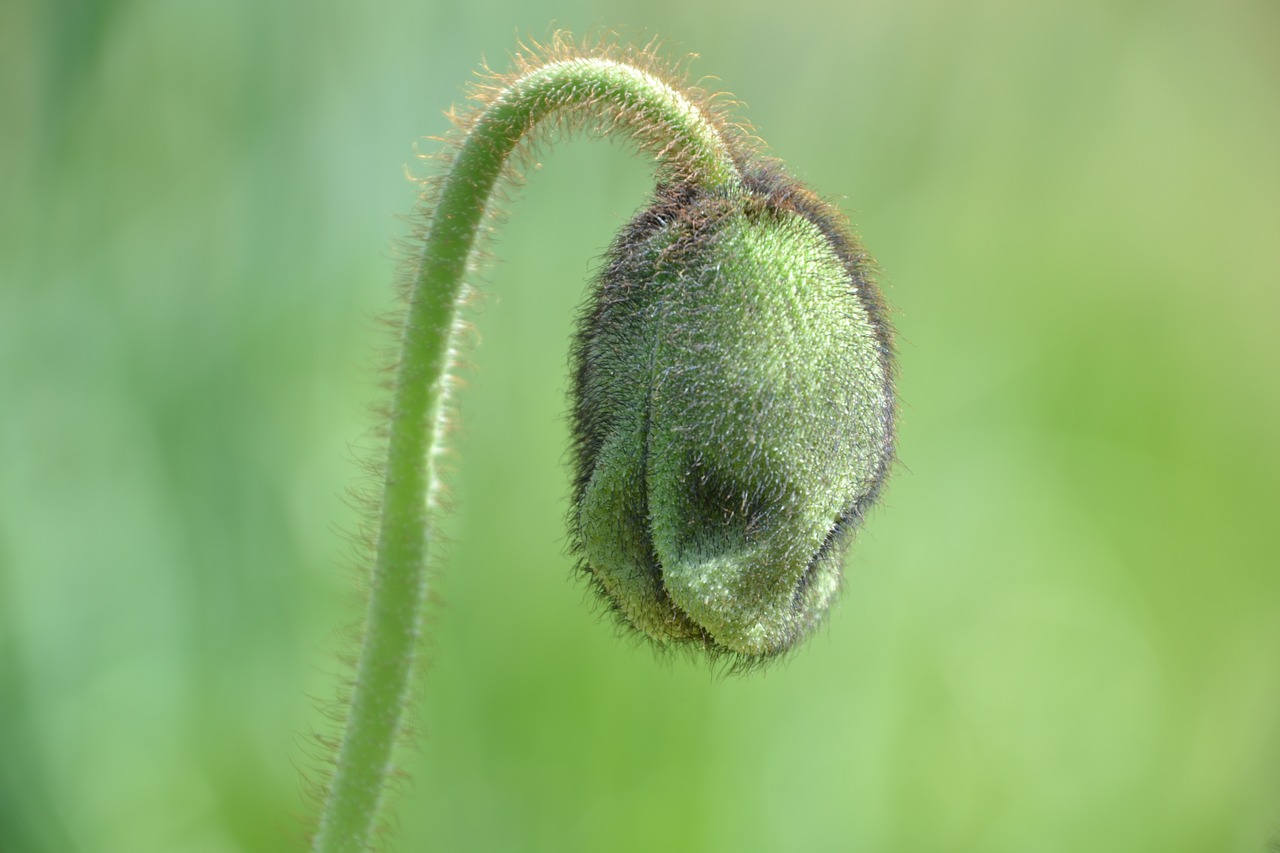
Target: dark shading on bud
(733, 414)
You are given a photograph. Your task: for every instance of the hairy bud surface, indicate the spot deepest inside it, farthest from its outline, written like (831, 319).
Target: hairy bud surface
(733, 415)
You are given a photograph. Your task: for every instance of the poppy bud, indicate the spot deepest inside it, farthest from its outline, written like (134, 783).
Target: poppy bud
(733, 415)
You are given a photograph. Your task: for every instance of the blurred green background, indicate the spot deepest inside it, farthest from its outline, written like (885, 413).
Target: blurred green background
(1060, 633)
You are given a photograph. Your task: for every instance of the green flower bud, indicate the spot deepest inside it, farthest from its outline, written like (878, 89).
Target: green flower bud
(733, 415)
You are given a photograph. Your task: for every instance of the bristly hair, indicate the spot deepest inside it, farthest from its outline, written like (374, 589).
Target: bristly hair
(601, 118)
(593, 119)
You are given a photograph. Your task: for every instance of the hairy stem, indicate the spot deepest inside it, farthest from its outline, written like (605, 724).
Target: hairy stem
(687, 144)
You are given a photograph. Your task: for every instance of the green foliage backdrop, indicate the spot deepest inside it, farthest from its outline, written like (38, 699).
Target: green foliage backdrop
(1060, 633)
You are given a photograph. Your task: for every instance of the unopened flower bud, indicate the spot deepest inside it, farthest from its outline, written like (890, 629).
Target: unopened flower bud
(733, 415)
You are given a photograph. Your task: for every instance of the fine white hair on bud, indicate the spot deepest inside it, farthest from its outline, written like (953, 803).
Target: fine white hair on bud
(733, 414)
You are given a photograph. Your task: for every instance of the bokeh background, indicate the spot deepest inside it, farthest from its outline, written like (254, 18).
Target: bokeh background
(1061, 631)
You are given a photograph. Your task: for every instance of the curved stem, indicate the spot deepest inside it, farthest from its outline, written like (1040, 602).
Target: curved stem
(687, 144)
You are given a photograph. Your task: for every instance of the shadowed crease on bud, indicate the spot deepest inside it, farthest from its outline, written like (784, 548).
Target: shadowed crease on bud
(733, 414)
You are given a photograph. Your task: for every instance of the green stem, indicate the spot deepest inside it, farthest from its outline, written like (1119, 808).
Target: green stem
(688, 145)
